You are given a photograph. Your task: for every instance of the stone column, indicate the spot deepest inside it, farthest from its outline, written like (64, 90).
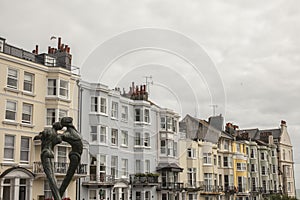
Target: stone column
(16, 188)
(30, 189)
(1, 188)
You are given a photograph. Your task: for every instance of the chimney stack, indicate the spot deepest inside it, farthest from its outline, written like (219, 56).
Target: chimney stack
(59, 43)
(36, 49)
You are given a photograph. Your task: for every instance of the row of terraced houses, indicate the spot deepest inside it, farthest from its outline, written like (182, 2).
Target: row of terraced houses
(133, 148)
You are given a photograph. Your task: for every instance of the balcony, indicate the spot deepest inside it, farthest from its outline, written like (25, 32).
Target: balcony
(144, 179)
(60, 168)
(265, 191)
(230, 189)
(170, 186)
(211, 189)
(104, 180)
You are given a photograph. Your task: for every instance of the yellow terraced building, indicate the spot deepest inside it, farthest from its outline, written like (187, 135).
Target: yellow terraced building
(35, 91)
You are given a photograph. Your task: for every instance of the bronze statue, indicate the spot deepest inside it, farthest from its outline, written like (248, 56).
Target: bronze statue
(50, 138)
(72, 137)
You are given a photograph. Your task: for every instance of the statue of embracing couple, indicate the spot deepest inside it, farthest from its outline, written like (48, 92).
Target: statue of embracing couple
(50, 137)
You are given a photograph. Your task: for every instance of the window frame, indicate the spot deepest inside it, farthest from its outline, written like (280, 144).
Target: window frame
(114, 137)
(192, 176)
(103, 105)
(12, 77)
(114, 166)
(124, 168)
(124, 113)
(147, 166)
(52, 87)
(25, 149)
(93, 133)
(29, 83)
(114, 109)
(103, 135)
(57, 115)
(30, 113)
(65, 89)
(146, 115)
(138, 139)
(147, 140)
(94, 104)
(13, 111)
(191, 153)
(138, 166)
(207, 158)
(58, 88)
(11, 148)
(124, 138)
(163, 148)
(138, 115)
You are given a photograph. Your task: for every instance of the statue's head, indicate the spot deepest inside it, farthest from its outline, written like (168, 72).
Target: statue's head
(57, 126)
(66, 121)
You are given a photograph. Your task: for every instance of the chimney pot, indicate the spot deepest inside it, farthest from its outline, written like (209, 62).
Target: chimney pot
(36, 49)
(59, 43)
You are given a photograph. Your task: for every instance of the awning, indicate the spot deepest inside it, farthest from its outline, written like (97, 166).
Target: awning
(173, 167)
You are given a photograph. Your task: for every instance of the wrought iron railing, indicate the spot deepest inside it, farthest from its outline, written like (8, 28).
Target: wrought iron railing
(102, 178)
(141, 180)
(59, 167)
(170, 186)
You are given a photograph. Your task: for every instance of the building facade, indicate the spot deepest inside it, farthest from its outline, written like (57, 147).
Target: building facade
(133, 145)
(36, 90)
(241, 164)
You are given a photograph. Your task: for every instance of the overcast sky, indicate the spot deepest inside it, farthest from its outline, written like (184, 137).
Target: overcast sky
(253, 48)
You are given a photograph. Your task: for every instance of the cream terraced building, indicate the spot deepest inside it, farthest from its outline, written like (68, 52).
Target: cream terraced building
(233, 163)
(36, 90)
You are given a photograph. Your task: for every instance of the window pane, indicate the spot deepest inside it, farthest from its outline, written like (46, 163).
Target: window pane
(9, 147)
(50, 116)
(94, 104)
(103, 105)
(12, 78)
(11, 108)
(27, 113)
(62, 113)
(51, 86)
(28, 82)
(137, 115)
(63, 89)
(25, 149)
(61, 154)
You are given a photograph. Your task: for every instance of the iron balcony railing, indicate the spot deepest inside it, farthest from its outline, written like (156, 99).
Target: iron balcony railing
(230, 189)
(211, 188)
(102, 179)
(170, 186)
(265, 191)
(142, 180)
(59, 168)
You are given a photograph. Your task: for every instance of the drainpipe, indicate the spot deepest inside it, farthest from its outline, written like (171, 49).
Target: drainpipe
(79, 115)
